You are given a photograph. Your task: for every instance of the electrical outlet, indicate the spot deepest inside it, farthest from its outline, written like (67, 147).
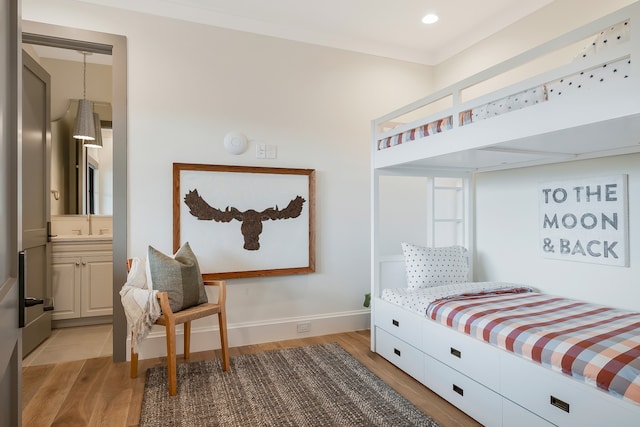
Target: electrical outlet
(261, 151)
(304, 327)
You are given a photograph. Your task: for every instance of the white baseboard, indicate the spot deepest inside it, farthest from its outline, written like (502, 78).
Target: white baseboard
(206, 337)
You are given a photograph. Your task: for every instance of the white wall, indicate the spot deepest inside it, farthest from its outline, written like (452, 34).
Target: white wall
(105, 155)
(507, 234)
(189, 84)
(403, 202)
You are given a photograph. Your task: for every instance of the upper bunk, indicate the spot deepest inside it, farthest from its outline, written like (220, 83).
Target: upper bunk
(574, 97)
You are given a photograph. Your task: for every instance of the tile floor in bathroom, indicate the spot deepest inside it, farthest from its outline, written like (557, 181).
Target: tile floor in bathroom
(77, 343)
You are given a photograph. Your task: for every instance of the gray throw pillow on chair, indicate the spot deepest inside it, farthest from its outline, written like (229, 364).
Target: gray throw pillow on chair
(178, 275)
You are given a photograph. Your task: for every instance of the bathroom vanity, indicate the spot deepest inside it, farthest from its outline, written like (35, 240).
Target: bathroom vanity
(82, 279)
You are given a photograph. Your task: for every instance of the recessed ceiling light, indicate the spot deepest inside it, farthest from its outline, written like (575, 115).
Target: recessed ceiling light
(430, 18)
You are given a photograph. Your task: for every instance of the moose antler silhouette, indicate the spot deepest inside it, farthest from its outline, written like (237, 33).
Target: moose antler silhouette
(251, 219)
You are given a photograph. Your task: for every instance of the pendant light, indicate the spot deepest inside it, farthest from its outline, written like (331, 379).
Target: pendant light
(97, 142)
(85, 127)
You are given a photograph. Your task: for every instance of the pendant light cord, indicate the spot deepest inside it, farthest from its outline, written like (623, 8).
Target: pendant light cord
(84, 75)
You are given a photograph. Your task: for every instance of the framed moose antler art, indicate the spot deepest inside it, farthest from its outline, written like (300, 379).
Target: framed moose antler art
(244, 221)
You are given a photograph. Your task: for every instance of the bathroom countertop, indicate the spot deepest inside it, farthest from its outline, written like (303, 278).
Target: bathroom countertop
(83, 238)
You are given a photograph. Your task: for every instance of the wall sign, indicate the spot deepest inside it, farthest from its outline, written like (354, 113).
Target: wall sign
(585, 220)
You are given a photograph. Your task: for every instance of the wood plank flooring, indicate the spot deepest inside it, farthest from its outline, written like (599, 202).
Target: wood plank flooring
(99, 392)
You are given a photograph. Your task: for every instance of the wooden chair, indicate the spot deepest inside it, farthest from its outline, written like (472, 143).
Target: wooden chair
(169, 320)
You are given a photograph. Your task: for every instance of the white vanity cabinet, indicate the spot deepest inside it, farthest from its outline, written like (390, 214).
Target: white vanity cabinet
(82, 278)
(66, 286)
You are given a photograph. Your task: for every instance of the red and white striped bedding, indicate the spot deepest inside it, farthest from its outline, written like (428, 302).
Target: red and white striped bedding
(431, 128)
(592, 343)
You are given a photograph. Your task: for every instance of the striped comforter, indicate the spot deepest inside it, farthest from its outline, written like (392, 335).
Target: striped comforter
(422, 131)
(594, 344)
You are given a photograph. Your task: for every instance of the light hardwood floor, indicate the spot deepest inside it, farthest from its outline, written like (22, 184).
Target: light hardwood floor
(99, 392)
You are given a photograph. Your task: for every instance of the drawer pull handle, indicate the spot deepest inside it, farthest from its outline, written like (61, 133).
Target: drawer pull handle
(395, 323)
(396, 351)
(458, 390)
(560, 404)
(457, 353)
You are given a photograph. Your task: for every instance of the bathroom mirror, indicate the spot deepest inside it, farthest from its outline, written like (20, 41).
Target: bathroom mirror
(81, 177)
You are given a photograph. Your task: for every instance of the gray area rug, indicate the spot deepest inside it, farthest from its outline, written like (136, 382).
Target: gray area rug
(318, 385)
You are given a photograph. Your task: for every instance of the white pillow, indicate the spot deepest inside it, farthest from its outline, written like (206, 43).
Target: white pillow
(428, 267)
(616, 34)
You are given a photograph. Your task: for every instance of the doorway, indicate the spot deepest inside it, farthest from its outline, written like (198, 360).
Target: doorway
(114, 45)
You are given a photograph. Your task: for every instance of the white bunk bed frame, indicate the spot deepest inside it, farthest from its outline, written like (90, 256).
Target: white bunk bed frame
(571, 128)
(491, 385)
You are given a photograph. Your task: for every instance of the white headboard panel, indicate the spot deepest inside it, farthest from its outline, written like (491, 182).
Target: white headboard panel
(392, 272)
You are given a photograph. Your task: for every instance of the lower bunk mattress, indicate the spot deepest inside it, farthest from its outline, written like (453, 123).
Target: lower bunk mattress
(595, 344)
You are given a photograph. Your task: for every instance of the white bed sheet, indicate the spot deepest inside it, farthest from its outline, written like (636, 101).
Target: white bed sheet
(418, 300)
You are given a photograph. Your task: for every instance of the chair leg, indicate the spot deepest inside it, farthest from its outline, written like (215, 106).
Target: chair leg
(171, 357)
(224, 345)
(187, 339)
(134, 360)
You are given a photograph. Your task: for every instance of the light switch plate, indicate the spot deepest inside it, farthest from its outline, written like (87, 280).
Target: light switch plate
(271, 151)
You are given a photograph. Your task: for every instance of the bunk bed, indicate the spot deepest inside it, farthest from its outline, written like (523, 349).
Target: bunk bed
(579, 109)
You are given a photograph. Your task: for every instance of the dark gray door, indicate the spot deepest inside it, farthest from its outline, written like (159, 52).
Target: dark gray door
(10, 336)
(35, 203)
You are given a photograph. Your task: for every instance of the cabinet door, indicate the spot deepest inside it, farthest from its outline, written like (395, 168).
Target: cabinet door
(66, 287)
(97, 283)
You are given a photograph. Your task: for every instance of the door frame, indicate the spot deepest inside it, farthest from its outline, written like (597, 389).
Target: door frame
(116, 45)
(10, 223)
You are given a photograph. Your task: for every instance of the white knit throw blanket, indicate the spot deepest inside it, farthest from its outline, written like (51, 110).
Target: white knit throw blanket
(140, 303)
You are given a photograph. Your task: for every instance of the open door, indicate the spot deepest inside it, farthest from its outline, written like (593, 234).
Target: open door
(35, 254)
(10, 334)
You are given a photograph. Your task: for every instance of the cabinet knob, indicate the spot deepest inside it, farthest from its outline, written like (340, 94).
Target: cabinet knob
(84, 263)
(77, 263)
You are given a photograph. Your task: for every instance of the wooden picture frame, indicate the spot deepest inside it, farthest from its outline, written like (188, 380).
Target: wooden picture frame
(245, 221)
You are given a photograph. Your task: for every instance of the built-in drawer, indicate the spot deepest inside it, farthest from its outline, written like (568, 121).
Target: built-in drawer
(469, 396)
(516, 415)
(398, 322)
(400, 353)
(560, 399)
(470, 356)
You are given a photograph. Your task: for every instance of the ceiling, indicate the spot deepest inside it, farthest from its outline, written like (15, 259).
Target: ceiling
(387, 28)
